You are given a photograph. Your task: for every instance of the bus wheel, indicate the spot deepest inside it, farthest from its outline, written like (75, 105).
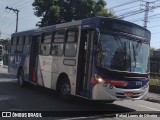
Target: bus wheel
(65, 89)
(21, 81)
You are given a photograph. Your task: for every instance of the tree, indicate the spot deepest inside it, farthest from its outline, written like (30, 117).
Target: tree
(5, 43)
(58, 11)
(151, 51)
(6, 46)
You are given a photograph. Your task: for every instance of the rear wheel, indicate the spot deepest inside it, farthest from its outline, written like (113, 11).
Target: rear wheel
(21, 81)
(64, 89)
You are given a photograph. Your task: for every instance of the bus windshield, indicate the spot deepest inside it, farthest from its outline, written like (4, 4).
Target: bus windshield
(122, 54)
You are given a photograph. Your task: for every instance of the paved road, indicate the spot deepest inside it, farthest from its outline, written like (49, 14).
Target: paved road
(12, 97)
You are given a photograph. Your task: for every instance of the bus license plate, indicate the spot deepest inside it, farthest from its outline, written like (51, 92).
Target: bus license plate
(128, 94)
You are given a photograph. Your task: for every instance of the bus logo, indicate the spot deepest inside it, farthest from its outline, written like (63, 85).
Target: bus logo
(138, 83)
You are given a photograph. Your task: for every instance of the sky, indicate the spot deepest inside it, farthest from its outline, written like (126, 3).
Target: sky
(153, 24)
(27, 19)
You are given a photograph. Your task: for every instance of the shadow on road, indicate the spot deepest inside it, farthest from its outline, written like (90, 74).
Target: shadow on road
(6, 76)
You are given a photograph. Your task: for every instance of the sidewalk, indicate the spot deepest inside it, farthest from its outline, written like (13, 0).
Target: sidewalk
(5, 66)
(153, 97)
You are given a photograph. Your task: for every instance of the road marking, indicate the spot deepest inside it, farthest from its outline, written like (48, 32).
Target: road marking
(149, 107)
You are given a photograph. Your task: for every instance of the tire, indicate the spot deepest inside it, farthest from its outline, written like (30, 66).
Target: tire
(21, 81)
(64, 89)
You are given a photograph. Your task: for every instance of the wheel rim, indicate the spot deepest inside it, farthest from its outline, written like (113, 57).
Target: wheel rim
(65, 89)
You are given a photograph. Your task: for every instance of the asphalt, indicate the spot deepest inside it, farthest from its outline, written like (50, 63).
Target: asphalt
(153, 97)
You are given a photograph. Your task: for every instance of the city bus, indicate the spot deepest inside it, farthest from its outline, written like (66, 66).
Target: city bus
(1, 55)
(98, 58)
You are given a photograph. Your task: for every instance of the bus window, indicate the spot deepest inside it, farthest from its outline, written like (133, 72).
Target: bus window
(20, 45)
(59, 36)
(71, 45)
(27, 40)
(46, 44)
(14, 41)
(26, 47)
(47, 38)
(57, 46)
(57, 49)
(45, 49)
(13, 45)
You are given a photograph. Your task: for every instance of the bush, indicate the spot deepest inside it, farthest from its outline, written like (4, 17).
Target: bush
(5, 59)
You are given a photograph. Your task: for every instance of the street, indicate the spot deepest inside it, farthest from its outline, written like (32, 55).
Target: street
(14, 98)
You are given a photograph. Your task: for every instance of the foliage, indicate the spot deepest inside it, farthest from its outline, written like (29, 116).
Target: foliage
(58, 11)
(151, 51)
(6, 45)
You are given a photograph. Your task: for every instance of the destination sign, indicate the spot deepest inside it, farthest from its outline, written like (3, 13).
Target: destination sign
(126, 27)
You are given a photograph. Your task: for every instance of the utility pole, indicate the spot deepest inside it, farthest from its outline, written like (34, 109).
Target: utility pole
(146, 14)
(17, 13)
(147, 10)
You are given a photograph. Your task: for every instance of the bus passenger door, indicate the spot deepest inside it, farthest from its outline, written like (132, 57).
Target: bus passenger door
(84, 63)
(34, 58)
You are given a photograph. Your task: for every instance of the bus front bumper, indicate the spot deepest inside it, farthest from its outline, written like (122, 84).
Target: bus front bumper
(101, 92)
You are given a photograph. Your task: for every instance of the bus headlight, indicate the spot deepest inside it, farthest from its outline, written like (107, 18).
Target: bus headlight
(96, 79)
(99, 79)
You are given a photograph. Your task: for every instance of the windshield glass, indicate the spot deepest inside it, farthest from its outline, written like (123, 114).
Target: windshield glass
(123, 54)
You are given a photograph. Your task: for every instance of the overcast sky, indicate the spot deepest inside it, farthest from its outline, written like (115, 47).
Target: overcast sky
(27, 20)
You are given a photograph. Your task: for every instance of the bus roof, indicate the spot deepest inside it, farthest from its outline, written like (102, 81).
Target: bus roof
(82, 22)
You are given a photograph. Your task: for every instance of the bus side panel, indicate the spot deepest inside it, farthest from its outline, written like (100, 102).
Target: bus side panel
(12, 69)
(60, 66)
(26, 67)
(45, 71)
(15, 61)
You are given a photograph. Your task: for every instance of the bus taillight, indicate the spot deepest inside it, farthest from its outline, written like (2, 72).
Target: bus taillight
(33, 75)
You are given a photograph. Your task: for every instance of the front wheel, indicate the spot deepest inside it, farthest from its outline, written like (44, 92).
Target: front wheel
(21, 81)
(64, 89)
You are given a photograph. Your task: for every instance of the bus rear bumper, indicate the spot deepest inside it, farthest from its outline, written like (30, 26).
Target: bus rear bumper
(100, 92)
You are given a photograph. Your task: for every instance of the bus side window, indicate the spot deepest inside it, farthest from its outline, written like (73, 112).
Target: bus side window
(26, 47)
(13, 45)
(46, 43)
(20, 45)
(71, 45)
(57, 46)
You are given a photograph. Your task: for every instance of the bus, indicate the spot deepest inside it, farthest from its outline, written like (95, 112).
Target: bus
(98, 58)
(1, 55)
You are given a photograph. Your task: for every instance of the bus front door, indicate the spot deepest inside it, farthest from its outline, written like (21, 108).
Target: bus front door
(34, 58)
(85, 63)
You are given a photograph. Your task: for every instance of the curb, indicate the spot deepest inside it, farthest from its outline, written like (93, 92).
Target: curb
(5, 66)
